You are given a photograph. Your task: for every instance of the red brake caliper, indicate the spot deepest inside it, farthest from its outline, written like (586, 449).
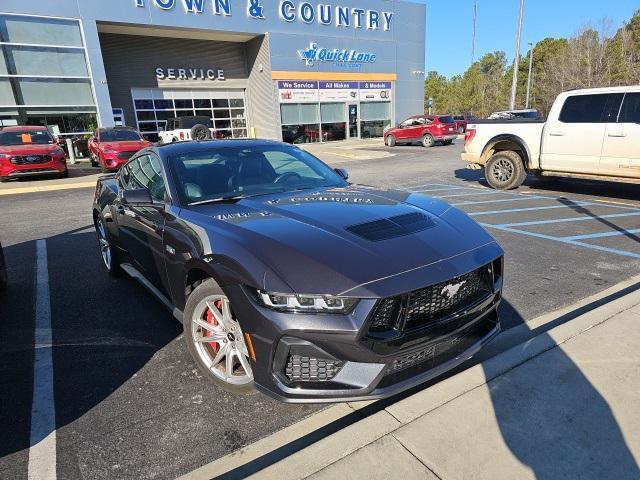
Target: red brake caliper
(212, 320)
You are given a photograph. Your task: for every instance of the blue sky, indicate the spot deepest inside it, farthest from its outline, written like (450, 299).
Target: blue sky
(449, 26)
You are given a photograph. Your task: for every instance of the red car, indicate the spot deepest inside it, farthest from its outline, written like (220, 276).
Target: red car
(462, 121)
(30, 151)
(426, 129)
(110, 148)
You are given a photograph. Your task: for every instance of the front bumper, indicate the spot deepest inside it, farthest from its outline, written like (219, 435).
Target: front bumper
(364, 372)
(53, 167)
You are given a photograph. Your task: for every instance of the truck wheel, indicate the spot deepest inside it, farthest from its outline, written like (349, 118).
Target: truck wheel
(391, 141)
(200, 132)
(427, 140)
(505, 171)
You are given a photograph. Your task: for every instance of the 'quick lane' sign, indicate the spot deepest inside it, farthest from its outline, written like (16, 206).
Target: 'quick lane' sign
(315, 54)
(288, 11)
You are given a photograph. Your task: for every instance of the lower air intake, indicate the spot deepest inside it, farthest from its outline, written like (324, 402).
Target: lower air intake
(310, 369)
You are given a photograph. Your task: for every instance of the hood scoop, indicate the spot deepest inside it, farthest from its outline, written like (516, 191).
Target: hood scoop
(392, 227)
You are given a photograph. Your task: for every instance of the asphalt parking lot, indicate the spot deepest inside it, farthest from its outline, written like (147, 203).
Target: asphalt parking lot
(129, 402)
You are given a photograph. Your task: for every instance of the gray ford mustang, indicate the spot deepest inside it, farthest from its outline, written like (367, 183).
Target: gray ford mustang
(289, 279)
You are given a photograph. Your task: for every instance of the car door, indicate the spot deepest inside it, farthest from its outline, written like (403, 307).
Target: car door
(142, 226)
(411, 129)
(572, 142)
(621, 148)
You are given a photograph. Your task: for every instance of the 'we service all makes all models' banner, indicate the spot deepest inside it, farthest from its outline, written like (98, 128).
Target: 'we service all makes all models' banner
(293, 91)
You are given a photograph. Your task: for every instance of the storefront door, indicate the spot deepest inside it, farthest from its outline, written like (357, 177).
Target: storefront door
(354, 124)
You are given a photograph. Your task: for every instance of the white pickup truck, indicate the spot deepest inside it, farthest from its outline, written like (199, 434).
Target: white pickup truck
(592, 133)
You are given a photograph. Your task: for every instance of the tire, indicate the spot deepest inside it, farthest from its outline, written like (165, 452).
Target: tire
(428, 140)
(505, 171)
(94, 162)
(447, 142)
(110, 255)
(200, 132)
(64, 174)
(200, 323)
(390, 141)
(460, 130)
(4, 179)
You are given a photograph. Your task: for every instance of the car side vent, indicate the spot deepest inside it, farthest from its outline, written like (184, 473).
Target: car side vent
(392, 227)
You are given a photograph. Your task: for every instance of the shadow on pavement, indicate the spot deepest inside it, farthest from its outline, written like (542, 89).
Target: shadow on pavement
(577, 404)
(96, 349)
(558, 424)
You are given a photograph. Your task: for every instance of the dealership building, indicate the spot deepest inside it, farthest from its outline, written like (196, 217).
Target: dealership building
(283, 69)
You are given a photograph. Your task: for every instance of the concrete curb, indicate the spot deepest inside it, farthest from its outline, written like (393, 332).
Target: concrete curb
(297, 463)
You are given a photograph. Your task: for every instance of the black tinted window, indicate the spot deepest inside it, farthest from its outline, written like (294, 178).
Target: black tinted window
(447, 119)
(119, 136)
(630, 112)
(584, 109)
(146, 172)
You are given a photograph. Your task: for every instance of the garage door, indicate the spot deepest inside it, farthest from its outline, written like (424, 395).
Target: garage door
(226, 108)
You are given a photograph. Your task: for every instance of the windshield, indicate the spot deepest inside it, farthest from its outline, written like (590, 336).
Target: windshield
(119, 136)
(231, 172)
(26, 137)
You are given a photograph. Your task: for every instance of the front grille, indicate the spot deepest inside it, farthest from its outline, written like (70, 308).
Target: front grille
(424, 307)
(414, 363)
(30, 159)
(309, 369)
(126, 155)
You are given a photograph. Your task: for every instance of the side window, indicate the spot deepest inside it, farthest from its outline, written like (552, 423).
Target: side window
(584, 109)
(630, 112)
(125, 175)
(146, 172)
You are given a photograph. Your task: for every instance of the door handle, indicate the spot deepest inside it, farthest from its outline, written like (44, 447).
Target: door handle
(617, 134)
(556, 133)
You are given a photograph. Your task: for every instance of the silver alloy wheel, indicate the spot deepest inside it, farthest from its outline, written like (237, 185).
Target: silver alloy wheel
(502, 170)
(105, 247)
(220, 342)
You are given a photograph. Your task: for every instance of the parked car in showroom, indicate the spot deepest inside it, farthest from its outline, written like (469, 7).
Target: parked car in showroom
(462, 121)
(30, 151)
(289, 279)
(189, 128)
(3, 270)
(592, 134)
(426, 129)
(110, 148)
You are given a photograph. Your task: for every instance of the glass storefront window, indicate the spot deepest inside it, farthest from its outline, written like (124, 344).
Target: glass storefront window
(53, 91)
(39, 59)
(40, 31)
(376, 117)
(334, 125)
(56, 62)
(300, 122)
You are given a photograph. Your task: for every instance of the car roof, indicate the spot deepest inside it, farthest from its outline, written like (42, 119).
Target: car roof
(191, 146)
(25, 128)
(102, 129)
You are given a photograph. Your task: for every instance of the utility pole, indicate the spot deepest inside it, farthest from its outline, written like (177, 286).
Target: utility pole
(473, 38)
(516, 60)
(529, 78)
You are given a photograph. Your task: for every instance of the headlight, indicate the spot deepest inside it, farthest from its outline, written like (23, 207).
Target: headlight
(287, 302)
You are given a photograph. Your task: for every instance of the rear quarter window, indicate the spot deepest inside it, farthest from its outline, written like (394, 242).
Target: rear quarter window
(446, 119)
(583, 109)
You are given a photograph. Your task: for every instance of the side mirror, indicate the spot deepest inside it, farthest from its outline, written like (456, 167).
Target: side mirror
(138, 196)
(343, 173)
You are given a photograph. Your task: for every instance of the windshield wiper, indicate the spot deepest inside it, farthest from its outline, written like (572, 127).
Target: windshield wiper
(231, 198)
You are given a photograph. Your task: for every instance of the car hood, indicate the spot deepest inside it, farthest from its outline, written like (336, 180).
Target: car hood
(351, 240)
(28, 149)
(124, 146)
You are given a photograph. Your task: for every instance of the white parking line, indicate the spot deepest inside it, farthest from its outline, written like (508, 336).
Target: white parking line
(42, 451)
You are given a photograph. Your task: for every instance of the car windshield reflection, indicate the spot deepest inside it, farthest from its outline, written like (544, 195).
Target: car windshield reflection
(234, 173)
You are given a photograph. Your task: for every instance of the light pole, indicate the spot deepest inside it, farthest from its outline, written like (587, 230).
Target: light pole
(473, 38)
(516, 61)
(530, 69)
